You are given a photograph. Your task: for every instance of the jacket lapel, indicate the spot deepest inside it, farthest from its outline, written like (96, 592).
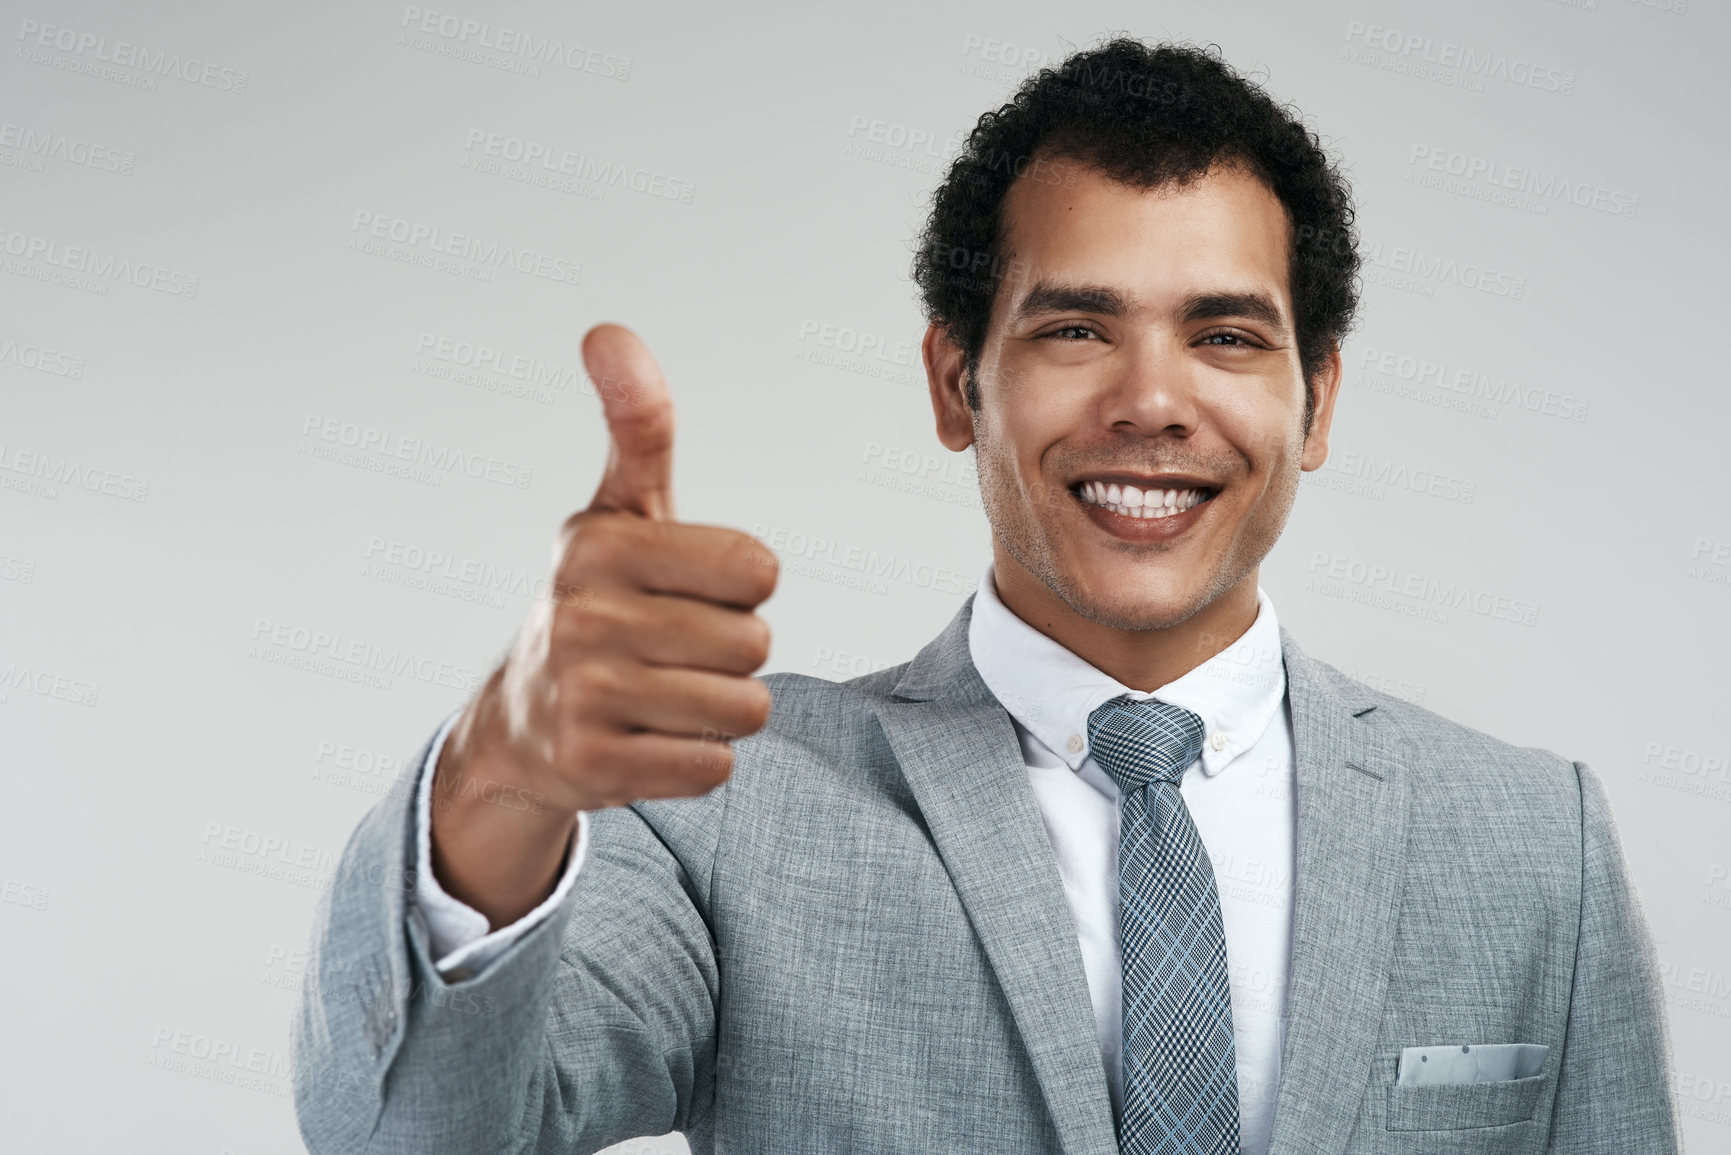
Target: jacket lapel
(958, 752)
(1351, 849)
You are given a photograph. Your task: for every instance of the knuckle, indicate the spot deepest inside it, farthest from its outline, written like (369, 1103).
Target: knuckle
(582, 750)
(570, 598)
(754, 562)
(754, 706)
(598, 546)
(765, 569)
(584, 622)
(570, 527)
(711, 765)
(589, 682)
(606, 768)
(755, 648)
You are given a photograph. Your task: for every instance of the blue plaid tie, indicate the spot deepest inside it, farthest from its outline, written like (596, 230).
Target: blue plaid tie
(1180, 1064)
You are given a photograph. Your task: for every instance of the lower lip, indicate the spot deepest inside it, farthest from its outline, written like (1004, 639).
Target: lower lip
(1143, 528)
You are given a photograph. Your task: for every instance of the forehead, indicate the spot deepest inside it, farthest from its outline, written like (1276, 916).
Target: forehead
(1224, 231)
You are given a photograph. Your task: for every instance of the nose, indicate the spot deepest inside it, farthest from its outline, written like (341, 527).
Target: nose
(1152, 391)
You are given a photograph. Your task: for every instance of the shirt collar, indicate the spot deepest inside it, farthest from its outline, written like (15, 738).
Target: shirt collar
(1050, 691)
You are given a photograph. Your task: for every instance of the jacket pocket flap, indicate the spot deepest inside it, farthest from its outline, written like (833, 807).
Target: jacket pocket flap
(1459, 1106)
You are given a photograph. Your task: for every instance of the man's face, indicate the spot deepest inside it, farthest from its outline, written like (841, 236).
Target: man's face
(1145, 340)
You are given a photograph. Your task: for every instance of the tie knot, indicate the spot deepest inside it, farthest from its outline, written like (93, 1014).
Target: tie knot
(1141, 742)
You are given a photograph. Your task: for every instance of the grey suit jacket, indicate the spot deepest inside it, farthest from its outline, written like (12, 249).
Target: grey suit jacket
(860, 943)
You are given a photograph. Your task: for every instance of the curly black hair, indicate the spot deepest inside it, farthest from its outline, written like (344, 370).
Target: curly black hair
(1149, 117)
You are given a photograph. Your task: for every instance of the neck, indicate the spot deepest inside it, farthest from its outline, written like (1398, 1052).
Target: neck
(1143, 660)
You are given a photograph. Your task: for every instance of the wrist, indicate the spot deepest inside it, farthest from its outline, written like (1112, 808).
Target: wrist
(498, 844)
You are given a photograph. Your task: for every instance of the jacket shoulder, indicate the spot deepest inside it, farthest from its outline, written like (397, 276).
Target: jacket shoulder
(1446, 756)
(816, 720)
(812, 711)
(820, 736)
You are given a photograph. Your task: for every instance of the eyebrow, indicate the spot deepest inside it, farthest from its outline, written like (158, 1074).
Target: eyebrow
(1048, 296)
(1063, 296)
(1252, 306)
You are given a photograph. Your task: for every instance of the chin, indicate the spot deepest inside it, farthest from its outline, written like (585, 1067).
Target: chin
(1133, 609)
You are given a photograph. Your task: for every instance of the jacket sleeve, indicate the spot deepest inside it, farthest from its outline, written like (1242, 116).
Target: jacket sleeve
(596, 1025)
(458, 934)
(1614, 1089)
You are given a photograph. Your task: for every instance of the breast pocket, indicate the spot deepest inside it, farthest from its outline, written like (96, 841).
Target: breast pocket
(1462, 1106)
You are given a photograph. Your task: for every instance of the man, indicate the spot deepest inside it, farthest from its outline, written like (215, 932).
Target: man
(1110, 865)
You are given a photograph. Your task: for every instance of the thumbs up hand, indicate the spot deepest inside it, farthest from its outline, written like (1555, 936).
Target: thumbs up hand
(639, 473)
(627, 684)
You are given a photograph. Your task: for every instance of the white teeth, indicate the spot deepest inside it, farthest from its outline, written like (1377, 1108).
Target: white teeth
(1133, 502)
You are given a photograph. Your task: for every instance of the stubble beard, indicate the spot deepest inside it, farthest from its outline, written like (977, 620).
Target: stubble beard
(1017, 526)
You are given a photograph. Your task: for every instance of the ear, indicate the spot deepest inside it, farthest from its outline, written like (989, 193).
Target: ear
(944, 370)
(1327, 386)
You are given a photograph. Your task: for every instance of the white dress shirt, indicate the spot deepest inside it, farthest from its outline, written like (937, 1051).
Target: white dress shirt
(1246, 820)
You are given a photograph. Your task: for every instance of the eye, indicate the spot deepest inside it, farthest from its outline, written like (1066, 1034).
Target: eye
(1069, 329)
(1230, 339)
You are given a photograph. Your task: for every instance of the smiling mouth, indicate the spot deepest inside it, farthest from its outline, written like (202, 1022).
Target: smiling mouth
(1143, 503)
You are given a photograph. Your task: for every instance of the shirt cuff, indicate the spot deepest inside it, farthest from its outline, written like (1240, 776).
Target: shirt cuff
(456, 931)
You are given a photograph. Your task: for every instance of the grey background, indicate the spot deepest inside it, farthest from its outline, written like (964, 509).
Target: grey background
(180, 777)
